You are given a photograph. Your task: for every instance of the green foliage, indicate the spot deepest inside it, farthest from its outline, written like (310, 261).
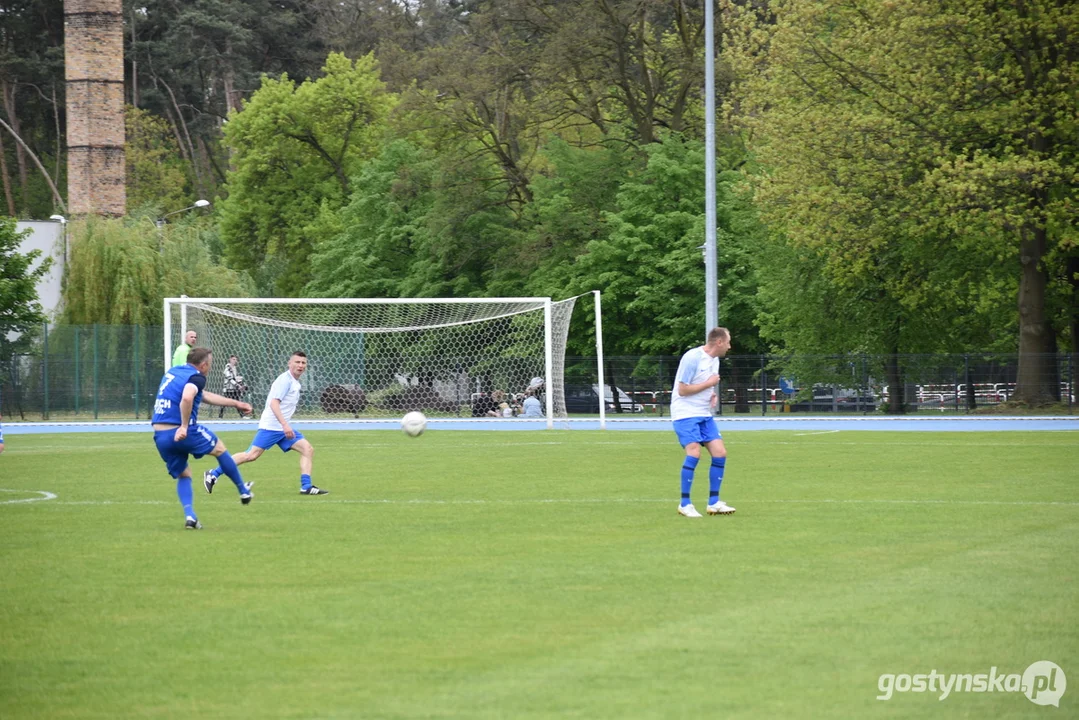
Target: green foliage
(20, 311)
(155, 169)
(570, 201)
(295, 149)
(196, 61)
(416, 226)
(622, 221)
(648, 263)
(32, 92)
(895, 167)
(120, 271)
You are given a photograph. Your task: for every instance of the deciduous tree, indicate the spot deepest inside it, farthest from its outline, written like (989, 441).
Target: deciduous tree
(295, 149)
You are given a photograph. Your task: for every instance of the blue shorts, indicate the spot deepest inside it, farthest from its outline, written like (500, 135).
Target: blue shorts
(696, 430)
(199, 442)
(1, 434)
(268, 438)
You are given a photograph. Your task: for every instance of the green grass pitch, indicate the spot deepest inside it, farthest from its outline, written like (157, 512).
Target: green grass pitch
(539, 575)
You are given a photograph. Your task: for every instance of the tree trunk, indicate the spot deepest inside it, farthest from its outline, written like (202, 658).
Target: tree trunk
(199, 189)
(59, 135)
(896, 391)
(6, 179)
(1034, 378)
(228, 80)
(614, 389)
(44, 173)
(134, 64)
(740, 376)
(893, 372)
(1073, 311)
(968, 381)
(1051, 350)
(13, 120)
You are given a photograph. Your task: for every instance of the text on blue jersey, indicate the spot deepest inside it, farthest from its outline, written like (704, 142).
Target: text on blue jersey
(171, 392)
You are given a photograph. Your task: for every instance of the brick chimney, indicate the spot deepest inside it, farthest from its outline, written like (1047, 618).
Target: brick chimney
(94, 70)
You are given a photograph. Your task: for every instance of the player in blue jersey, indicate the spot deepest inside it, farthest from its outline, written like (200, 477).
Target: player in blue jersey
(177, 432)
(692, 400)
(274, 428)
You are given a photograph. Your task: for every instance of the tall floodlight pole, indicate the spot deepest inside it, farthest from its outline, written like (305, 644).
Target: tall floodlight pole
(711, 280)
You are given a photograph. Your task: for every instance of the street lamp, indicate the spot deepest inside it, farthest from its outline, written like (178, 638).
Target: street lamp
(160, 222)
(63, 225)
(198, 204)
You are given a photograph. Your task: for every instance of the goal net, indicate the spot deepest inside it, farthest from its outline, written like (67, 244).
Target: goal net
(377, 359)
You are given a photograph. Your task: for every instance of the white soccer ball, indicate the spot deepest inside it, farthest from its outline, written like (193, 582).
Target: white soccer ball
(414, 423)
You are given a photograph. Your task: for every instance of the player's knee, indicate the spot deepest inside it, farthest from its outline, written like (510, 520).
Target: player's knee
(693, 450)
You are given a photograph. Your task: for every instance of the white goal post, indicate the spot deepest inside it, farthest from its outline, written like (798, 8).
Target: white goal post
(376, 359)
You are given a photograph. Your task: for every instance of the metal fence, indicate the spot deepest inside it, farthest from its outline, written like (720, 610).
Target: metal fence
(84, 371)
(822, 384)
(112, 372)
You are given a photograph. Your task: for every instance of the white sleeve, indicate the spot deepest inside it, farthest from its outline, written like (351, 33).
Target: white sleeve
(279, 389)
(686, 369)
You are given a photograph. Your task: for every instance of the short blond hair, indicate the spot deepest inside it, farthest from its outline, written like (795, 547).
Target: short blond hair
(718, 333)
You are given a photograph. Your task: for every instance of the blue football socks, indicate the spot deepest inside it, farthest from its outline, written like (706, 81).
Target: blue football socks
(715, 478)
(228, 466)
(186, 495)
(688, 467)
(305, 481)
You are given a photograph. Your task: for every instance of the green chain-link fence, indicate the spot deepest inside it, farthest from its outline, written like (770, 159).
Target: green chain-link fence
(111, 372)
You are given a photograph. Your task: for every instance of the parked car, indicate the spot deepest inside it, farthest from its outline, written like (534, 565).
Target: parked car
(827, 399)
(585, 399)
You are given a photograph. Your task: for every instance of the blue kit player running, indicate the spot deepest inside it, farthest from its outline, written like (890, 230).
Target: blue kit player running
(274, 428)
(177, 432)
(692, 400)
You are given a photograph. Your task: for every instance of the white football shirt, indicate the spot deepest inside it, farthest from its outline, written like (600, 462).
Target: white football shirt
(696, 366)
(286, 389)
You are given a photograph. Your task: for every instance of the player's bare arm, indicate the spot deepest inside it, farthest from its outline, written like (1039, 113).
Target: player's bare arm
(186, 401)
(275, 408)
(685, 389)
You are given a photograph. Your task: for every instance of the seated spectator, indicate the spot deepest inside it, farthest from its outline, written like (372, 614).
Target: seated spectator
(531, 406)
(503, 408)
(483, 406)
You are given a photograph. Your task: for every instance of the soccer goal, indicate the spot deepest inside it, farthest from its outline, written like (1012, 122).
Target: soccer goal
(374, 359)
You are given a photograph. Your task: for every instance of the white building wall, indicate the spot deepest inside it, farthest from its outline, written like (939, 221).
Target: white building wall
(48, 237)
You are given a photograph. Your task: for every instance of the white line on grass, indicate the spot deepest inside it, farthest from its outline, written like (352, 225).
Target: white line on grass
(556, 501)
(638, 441)
(45, 495)
(888, 443)
(820, 432)
(924, 502)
